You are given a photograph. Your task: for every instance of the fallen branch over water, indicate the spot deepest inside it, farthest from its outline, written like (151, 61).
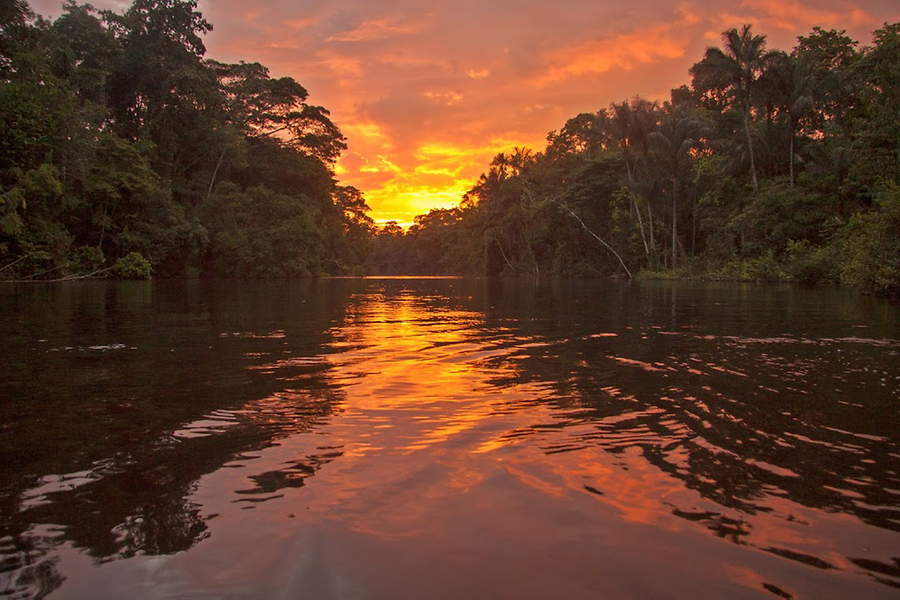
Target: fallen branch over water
(36, 275)
(94, 275)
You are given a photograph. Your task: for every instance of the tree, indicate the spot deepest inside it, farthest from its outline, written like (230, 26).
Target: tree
(520, 160)
(586, 133)
(630, 126)
(734, 70)
(871, 244)
(84, 52)
(276, 108)
(793, 85)
(675, 137)
(160, 75)
(127, 130)
(877, 145)
(831, 57)
(358, 226)
(15, 17)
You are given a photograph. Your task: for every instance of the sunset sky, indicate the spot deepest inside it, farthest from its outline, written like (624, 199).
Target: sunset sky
(428, 92)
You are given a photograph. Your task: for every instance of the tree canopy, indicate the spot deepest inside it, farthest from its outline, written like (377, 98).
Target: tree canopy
(769, 165)
(121, 141)
(118, 136)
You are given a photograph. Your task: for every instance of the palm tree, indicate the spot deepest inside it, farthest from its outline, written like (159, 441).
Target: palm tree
(629, 126)
(676, 135)
(520, 159)
(500, 167)
(734, 68)
(793, 85)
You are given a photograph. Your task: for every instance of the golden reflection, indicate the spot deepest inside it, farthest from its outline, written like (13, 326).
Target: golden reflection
(427, 392)
(445, 426)
(424, 372)
(636, 363)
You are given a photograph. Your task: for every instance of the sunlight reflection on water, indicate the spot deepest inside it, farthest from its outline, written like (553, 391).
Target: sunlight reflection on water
(409, 438)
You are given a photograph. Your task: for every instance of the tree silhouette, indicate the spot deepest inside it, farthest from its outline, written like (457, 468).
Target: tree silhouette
(735, 69)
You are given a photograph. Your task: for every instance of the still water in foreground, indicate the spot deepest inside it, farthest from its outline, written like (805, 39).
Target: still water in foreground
(445, 438)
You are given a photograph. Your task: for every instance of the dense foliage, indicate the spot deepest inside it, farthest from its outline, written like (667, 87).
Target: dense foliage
(123, 150)
(770, 165)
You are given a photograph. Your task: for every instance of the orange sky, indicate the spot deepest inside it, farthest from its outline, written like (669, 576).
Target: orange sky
(428, 92)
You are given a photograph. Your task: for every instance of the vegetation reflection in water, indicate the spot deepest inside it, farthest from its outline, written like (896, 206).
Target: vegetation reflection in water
(396, 437)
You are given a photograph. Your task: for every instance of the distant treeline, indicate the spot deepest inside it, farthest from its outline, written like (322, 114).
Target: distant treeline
(123, 151)
(770, 166)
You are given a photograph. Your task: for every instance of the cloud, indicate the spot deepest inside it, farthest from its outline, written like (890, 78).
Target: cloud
(379, 29)
(301, 23)
(428, 93)
(791, 14)
(621, 52)
(450, 98)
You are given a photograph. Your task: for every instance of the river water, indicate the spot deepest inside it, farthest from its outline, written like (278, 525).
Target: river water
(448, 438)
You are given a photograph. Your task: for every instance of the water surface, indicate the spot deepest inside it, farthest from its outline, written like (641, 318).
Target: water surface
(446, 438)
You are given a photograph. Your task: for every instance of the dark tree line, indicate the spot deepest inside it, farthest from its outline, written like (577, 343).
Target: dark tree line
(770, 165)
(123, 150)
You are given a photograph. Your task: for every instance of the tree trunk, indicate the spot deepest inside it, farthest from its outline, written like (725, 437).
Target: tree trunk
(212, 181)
(674, 222)
(694, 228)
(499, 245)
(102, 229)
(20, 259)
(792, 153)
(627, 162)
(641, 223)
(753, 179)
(596, 237)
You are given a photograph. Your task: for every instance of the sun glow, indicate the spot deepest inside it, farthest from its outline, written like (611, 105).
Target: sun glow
(434, 175)
(424, 115)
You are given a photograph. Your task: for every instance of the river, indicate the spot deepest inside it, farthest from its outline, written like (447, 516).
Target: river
(448, 438)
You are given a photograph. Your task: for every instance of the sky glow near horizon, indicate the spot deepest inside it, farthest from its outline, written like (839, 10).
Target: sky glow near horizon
(428, 93)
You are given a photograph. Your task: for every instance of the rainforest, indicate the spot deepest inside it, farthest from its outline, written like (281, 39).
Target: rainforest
(125, 152)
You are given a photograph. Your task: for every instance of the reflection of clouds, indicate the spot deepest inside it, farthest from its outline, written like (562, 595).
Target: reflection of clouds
(29, 569)
(724, 438)
(161, 415)
(440, 378)
(478, 421)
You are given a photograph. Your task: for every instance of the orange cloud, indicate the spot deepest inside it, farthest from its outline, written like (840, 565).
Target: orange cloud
(478, 73)
(338, 64)
(370, 132)
(298, 23)
(791, 14)
(428, 93)
(447, 98)
(284, 45)
(621, 52)
(378, 29)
